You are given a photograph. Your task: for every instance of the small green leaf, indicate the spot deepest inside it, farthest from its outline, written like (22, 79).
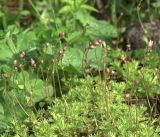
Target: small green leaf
(65, 10)
(87, 7)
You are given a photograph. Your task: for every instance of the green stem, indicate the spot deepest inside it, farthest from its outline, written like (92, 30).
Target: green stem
(34, 7)
(113, 13)
(21, 3)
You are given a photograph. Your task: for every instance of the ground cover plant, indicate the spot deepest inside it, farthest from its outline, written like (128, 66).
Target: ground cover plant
(64, 72)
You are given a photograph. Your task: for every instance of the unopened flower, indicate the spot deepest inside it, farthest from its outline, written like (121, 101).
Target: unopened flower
(20, 66)
(92, 46)
(32, 62)
(113, 72)
(100, 41)
(60, 52)
(22, 54)
(14, 63)
(129, 46)
(42, 61)
(127, 95)
(61, 34)
(114, 42)
(124, 60)
(96, 43)
(150, 44)
(103, 44)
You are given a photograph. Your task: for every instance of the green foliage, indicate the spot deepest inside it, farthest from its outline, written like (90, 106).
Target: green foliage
(95, 28)
(73, 6)
(85, 113)
(60, 76)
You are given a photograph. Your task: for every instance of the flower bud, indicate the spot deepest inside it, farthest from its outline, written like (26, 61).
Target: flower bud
(127, 95)
(42, 61)
(103, 44)
(129, 46)
(14, 63)
(20, 66)
(150, 44)
(32, 62)
(92, 47)
(22, 54)
(60, 52)
(61, 34)
(100, 41)
(96, 43)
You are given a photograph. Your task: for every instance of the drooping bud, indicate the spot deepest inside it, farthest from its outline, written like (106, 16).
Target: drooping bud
(103, 44)
(127, 95)
(96, 43)
(150, 46)
(20, 66)
(129, 46)
(32, 62)
(60, 52)
(61, 34)
(100, 41)
(14, 63)
(21, 55)
(92, 46)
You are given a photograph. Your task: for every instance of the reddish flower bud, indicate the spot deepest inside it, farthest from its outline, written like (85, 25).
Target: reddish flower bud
(32, 62)
(129, 46)
(114, 42)
(60, 52)
(61, 34)
(22, 54)
(92, 47)
(96, 43)
(20, 66)
(100, 41)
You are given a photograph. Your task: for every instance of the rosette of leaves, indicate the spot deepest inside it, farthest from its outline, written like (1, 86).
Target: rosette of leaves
(142, 81)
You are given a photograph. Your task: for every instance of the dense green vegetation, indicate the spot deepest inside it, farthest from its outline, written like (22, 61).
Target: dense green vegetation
(63, 72)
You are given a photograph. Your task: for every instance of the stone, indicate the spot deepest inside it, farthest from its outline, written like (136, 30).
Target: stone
(136, 34)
